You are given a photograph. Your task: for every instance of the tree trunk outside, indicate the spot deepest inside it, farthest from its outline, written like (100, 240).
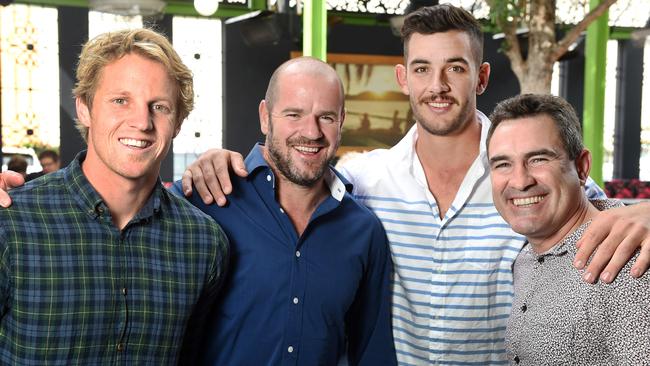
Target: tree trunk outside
(534, 70)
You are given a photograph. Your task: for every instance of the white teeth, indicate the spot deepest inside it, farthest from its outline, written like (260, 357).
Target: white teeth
(439, 105)
(134, 143)
(527, 201)
(307, 149)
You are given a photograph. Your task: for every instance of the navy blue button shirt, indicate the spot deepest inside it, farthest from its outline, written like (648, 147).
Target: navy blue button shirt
(299, 300)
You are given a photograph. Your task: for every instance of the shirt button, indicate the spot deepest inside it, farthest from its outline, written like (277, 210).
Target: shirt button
(290, 349)
(295, 300)
(297, 253)
(540, 260)
(120, 347)
(268, 178)
(516, 359)
(281, 210)
(524, 308)
(124, 291)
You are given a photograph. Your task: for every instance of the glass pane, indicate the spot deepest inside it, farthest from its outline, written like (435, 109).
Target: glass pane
(99, 23)
(30, 76)
(198, 42)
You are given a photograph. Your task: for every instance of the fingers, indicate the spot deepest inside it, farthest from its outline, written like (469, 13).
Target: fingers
(610, 258)
(8, 180)
(216, 179)
(591, 238)
(5, 200)
(210, 174)
(642, 261)
(598, 262)
(238, 166)
(186, 182)
(617, 234)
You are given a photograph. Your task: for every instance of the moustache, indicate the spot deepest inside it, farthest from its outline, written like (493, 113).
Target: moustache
(438, 98)
(304, 141)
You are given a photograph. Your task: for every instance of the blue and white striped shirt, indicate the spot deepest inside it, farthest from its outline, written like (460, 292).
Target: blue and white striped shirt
(452, 285)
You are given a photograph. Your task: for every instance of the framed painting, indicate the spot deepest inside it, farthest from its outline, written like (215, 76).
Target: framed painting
(378, 114)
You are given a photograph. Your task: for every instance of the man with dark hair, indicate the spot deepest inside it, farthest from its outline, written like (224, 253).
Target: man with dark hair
(99, 264)
(49, 160)
(538, 169)
(18, 164)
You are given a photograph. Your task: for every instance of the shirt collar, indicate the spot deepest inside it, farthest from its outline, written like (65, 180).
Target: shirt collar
(337, 184)
(406, 146)
(92, 203)
(566, 244)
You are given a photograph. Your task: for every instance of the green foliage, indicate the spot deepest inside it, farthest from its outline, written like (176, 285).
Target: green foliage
(503, 12)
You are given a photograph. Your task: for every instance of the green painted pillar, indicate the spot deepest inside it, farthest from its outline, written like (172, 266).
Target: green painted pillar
(594, 92)
(314, 29)
(257, 4)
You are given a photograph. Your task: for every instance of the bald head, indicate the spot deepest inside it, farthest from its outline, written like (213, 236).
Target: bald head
(304, 66)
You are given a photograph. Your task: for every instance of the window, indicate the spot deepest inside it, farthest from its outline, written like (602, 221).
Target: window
(29, 58)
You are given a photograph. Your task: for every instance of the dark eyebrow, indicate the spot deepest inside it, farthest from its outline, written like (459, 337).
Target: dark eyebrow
(528, 155)
(419, 61)
(462, 60)
(498, 158)
(546, 152)
(291, 110)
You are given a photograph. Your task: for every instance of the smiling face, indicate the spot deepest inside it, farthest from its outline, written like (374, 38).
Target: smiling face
(536, 187)
(303, 124)
(442, 79)
(132, 120)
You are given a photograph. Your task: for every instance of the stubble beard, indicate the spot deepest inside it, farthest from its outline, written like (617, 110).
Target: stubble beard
(284, 163)
(441, 130)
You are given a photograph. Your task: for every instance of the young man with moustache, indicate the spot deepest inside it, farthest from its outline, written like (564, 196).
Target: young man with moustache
(452, 251)
(538, 169)
(310, 267)
(99, 264)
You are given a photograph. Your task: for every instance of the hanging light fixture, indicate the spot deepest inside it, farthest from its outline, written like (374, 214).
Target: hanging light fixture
(206, 7)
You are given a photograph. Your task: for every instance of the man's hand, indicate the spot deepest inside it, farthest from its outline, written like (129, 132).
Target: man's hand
(617, 233)
(8, 180)
(210, 174)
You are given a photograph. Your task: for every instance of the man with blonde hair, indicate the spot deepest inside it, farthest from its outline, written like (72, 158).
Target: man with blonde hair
(99, 264)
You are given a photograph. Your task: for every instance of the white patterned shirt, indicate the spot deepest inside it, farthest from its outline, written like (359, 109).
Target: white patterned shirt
(452, 284)
(558, 319)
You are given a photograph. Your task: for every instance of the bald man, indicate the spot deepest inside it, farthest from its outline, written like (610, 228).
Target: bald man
(310, 267)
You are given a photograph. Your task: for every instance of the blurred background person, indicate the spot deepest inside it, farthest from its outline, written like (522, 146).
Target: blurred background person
(18, 164)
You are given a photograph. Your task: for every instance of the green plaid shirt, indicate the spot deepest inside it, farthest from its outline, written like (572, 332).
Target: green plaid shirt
(74, 289)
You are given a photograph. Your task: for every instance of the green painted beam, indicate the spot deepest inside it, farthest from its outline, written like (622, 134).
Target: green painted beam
(594, 91)
(314, 29)
(257, 4)
(621, 33)
(77, 3)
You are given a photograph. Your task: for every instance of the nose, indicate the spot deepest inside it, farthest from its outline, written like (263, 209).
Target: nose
(311, 128)
(438, 83)
(521, 178)
(141, 117)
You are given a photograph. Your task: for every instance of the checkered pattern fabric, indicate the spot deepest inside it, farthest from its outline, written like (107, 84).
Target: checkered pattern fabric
(74, 289)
